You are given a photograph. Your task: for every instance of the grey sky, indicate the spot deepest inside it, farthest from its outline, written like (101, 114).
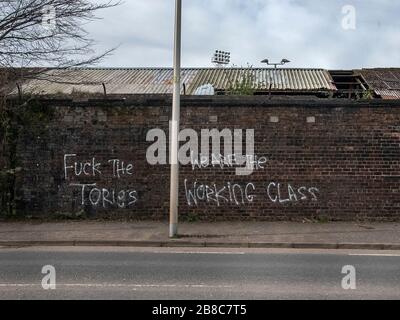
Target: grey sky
(307, 32)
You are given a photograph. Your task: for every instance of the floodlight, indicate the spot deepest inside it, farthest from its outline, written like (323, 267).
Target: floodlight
(221, 58)
(275, 64)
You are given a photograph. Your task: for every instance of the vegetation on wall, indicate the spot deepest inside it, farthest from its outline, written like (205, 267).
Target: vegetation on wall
(367, 94)
(244, 84)
(15, 118)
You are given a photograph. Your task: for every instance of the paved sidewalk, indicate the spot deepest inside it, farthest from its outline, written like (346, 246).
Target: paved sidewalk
(216, 234)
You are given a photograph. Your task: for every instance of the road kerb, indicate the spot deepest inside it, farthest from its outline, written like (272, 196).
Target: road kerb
(366, 246)
(210, 244)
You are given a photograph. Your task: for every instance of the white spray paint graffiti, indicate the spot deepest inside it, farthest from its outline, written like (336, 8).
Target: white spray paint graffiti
(278, 193)
(230, 193)
(245, 194)
(241, 194)
(196, 152)
(92, 193)
(253, 162)
(106, 197)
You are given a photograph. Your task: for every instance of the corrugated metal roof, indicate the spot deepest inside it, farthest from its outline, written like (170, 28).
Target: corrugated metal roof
(388, 94)
(262, 79)
(160, 80)
(384, 81)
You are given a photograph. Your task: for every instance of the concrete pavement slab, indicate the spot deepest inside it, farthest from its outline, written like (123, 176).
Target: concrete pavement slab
(334, 235)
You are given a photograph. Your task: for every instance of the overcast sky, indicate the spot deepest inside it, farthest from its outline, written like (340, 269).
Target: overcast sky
(310, 33)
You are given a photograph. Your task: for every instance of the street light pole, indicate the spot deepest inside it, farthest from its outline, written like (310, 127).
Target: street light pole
(174, 145)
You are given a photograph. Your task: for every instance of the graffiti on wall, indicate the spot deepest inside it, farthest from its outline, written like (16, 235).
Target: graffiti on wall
(243, 194)
(196, 193)
(94, 194)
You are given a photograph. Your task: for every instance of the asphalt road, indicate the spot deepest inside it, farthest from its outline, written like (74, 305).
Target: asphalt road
(188, 273)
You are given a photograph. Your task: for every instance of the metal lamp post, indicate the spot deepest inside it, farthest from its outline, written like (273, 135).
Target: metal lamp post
(174, 145)
(275, 64)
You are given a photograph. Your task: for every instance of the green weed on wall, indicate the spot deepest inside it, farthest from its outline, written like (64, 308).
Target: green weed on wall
(15, 118)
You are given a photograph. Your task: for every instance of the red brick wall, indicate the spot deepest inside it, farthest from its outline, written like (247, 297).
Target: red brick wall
(343, 166)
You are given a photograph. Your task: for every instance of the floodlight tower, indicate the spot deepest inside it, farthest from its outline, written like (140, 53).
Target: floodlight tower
(221, 58)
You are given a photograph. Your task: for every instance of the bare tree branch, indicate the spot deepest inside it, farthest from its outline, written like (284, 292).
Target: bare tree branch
(48, 33)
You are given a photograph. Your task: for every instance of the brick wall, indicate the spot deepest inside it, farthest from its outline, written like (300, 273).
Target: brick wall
(4, 166)
(2, 172)
(323, 159)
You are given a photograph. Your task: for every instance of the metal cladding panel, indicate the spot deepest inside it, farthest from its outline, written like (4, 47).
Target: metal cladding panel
(160, 80)
(262, 79)
(388, 94)
(384, 81)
